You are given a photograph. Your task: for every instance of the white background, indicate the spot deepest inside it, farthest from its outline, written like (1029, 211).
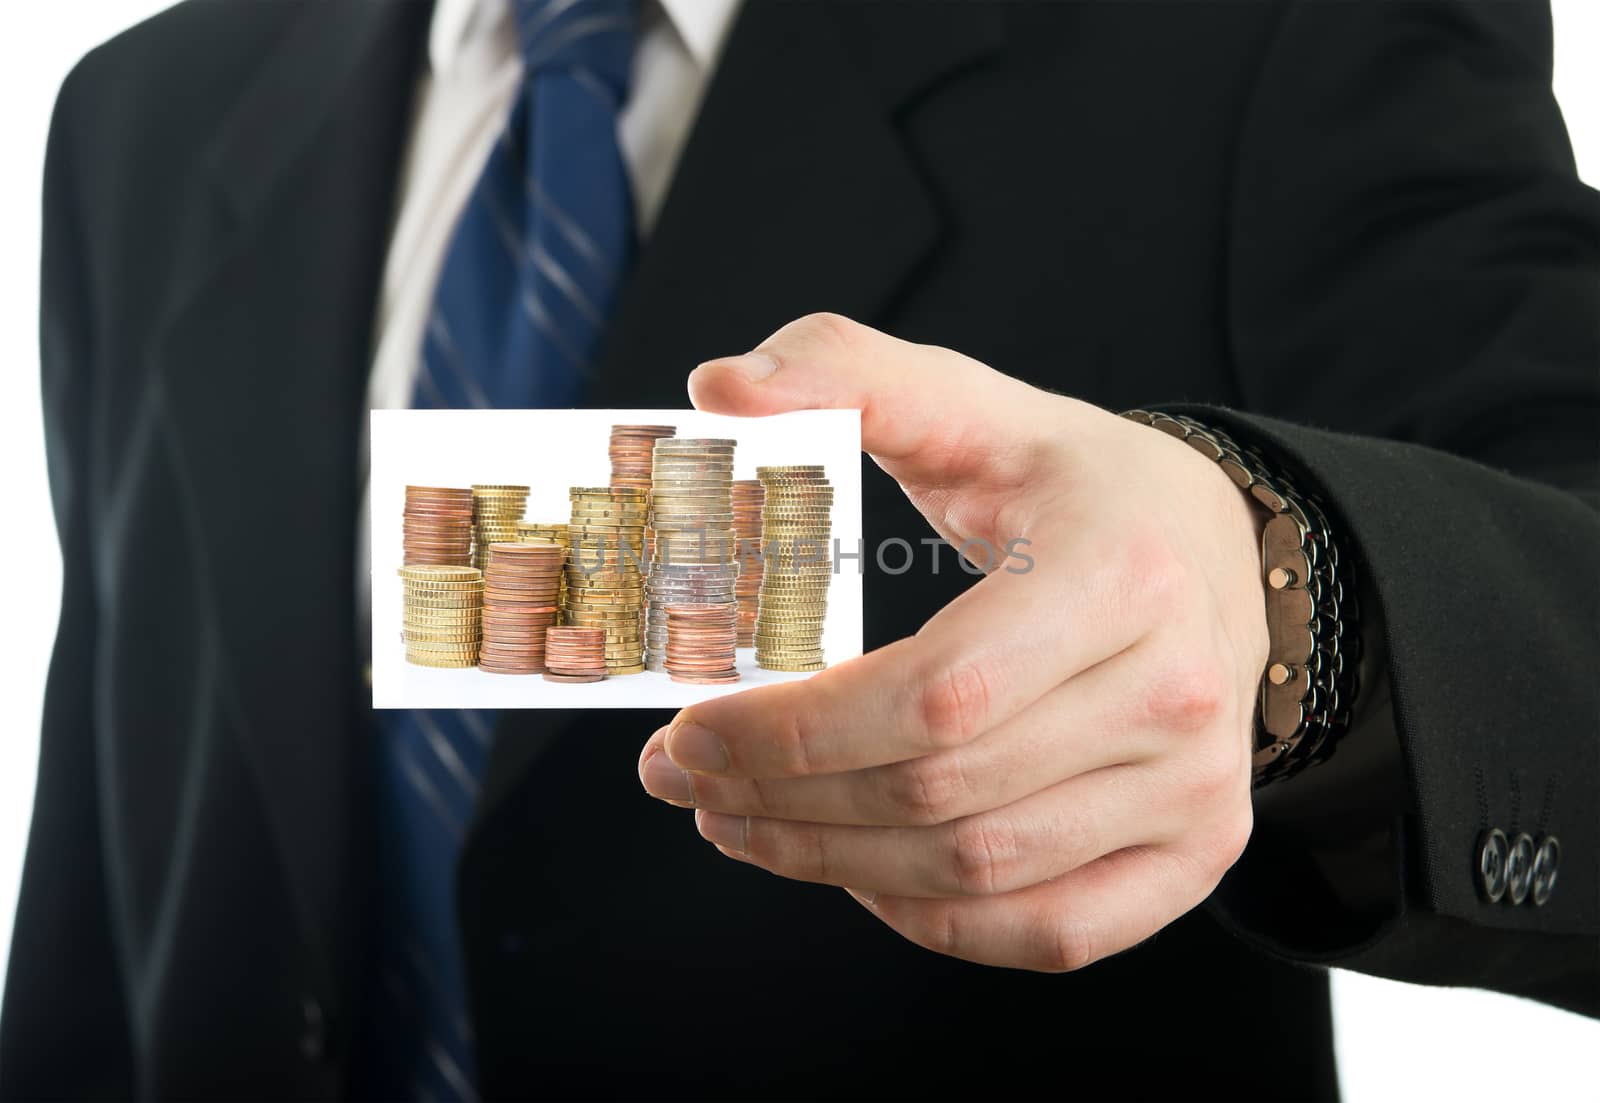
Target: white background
(1395, 1041)
(550, 451)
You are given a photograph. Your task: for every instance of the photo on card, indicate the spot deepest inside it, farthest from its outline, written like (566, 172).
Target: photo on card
(609, 558)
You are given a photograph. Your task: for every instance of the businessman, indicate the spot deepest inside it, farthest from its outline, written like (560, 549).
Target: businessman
(1059, 834)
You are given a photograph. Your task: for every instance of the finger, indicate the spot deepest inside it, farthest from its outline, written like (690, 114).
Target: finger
(980, 661)
(1039, 837)
(1082, 725)
(1095, 911)
(925, 411)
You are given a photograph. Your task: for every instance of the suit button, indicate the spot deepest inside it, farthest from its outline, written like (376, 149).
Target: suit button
(1492, 851)
(1546, 864)
(313, 1030)
(1519, 868)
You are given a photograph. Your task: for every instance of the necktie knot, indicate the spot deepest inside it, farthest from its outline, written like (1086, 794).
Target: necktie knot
(593, 36)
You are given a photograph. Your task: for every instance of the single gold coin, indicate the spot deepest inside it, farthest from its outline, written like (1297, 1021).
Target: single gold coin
(440, 613)
(440, 574)
(437, 658)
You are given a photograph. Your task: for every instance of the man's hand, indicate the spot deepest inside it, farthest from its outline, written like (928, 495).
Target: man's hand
(1058, 764)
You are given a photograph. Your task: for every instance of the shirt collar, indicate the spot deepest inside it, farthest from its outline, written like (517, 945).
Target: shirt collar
(701, 25)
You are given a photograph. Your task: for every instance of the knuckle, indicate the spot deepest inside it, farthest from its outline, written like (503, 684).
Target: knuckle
(1232, 839)
(947, 934)
(827, 326)
(791, 741)
(1190, 695)
(810, 852)
(1076, 840)
(935, 925)
(759, 799)
(821, 332)
(983, 851)
(954, 703)
(1150, 575)
(1069, 945)
(1207, 857)
(1213, 772)
(924, 791)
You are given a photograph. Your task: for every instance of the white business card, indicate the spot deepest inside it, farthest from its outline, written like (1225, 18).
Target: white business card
(551, 452)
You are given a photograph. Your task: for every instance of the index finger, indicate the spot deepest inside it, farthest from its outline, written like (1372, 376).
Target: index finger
(981, 660)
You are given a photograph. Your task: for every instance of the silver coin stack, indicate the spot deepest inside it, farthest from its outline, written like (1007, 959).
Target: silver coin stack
(693, 561)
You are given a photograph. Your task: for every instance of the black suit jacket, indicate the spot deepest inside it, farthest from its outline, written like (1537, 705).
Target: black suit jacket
(1351, 232)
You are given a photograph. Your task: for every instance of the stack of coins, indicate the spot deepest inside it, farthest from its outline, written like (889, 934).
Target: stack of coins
(678, 584)
(443, 623)
(519, 603)
(574, 654)
(691, 509)
(437, 526)
(605, 570)
(495, 513)
(796, 529)
(632, 447)
(700, 642)
(546, 532)
(748, 496)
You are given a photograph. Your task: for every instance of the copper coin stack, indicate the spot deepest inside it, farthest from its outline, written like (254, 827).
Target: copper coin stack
(443, 623)
(546, 532)
(700, 643)
(632, 447)
(437, 526)
(748, 496)
(519, 603)
(796, 528)
(691, 508)
(574, 654)
(495, 513)
(605, 570)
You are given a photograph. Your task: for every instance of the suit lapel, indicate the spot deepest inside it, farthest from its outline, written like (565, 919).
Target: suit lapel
(795, 193)
(263, 358)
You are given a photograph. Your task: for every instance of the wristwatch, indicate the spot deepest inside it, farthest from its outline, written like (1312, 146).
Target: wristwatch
(1309, 682)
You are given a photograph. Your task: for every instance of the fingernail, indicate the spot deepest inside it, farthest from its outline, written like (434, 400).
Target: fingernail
(753, 366)
(732, 832)
(696, 748)
(870, 899)
(662, 778)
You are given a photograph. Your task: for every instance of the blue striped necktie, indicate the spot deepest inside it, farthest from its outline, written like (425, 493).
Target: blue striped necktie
(527, 285)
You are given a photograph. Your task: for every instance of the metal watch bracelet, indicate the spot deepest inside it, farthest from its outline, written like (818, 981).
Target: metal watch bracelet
(1310, 680)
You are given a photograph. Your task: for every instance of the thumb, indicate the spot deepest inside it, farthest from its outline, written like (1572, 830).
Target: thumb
(927, 413)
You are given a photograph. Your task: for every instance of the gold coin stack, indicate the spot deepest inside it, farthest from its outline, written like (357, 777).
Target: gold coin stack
(495, 513)
(437, 526)
(605, 577)
(443, 623)
(691, 508)
(544, 532)
(632, 447)
(519, 603)
(700, 643)
(796, 528)
(575, 654)
(748, 496)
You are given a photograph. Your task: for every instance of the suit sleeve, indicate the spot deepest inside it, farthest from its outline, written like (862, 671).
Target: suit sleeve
(1414, 308)
(64, 1024)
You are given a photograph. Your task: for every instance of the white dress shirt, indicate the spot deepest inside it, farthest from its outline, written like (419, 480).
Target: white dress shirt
(464, 99)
